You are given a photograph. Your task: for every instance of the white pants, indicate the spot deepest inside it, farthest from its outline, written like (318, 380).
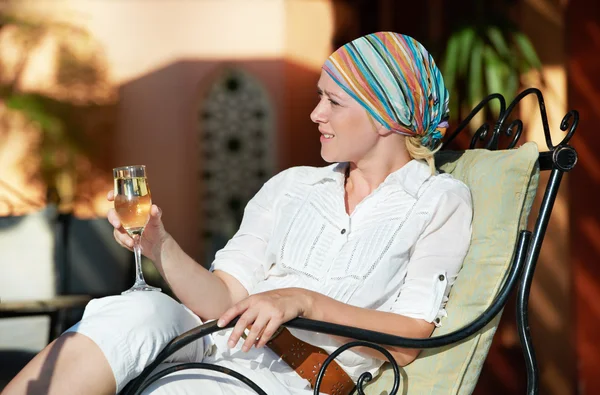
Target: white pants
(132, 329)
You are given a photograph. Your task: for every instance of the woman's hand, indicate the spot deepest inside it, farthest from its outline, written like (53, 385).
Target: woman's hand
(154, 234)
(264, 313)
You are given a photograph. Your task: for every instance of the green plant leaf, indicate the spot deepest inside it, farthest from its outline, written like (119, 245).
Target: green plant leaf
(33, 108)
(512, 84)
(497, 39)
(527, 50)
(493, 75)
(476, 88)
(450, 62)
(456, 62)
(504, 71)
(500, 44)
(449, 72)
(465, 41)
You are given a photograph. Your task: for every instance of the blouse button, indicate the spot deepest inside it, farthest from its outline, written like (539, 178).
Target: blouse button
(343, 231)
(441, 277)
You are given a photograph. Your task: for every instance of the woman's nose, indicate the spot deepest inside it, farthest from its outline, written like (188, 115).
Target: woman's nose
(318, 115)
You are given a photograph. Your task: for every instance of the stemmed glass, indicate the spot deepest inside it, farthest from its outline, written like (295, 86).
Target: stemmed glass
(132, 204)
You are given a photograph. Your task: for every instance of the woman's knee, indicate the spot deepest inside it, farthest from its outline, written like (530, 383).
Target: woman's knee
(144, 311)
(132, 329)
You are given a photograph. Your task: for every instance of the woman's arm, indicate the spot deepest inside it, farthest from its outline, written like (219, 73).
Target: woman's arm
(207, 294)
(323, 308)
(264, 312)
(237, 267)
(434, 264)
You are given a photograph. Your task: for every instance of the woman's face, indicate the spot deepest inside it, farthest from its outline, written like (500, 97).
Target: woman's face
(348, 134)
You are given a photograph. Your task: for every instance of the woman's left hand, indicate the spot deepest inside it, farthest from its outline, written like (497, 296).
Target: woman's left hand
(264, 313)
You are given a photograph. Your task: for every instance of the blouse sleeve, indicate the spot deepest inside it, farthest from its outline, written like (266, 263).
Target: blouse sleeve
(436, 258)
(244, 255)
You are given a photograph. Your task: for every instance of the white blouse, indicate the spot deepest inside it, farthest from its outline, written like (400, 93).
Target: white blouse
(400, 251)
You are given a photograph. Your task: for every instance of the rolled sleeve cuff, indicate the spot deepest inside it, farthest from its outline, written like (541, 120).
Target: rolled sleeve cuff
(245, 275)
(423, 299)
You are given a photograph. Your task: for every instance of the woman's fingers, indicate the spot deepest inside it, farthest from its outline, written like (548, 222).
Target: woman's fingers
(155, 216)
(113, 218)
(263, 320)
(268, 333)
(119, 233)
(123, 238)
(110, 196)
(255, 332)
(245, 320)
(155, 211)
(232, 312)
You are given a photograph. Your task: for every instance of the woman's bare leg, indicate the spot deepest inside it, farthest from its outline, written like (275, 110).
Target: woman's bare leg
(72, 364)
(117, 337)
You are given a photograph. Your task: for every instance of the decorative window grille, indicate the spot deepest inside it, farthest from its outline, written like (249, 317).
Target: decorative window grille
(237, 148)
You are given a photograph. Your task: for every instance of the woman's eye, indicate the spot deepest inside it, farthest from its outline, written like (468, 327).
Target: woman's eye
(333, 102)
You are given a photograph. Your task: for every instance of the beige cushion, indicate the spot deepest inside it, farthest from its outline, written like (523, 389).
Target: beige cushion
(503, 186)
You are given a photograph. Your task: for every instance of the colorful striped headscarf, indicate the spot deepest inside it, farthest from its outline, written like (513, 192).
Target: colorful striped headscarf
(396, 80)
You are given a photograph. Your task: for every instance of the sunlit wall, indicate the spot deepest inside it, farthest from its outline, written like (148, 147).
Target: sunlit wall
(162, 55)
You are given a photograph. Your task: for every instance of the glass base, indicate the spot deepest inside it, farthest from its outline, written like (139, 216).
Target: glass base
(141, 287)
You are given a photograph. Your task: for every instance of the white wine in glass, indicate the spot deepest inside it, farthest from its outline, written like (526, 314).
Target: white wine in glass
(132, 204)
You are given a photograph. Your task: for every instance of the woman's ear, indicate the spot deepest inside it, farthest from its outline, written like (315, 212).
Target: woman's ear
(378, 126)
(382, 130)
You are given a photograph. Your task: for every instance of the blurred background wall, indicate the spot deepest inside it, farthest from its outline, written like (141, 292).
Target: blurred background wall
(214, 97)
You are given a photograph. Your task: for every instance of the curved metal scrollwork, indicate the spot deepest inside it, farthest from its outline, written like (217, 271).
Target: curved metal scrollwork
(570, 121)
(542, 105)
(365, 377)
(474, 112)
(561, 155)
(479, 135)
(518, 124)
(205, 366)
(514, 130)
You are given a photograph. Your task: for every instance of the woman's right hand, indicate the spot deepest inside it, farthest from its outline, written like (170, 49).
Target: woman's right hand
(154, 234)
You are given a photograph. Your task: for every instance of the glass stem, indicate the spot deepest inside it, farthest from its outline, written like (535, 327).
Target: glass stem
(137, 250)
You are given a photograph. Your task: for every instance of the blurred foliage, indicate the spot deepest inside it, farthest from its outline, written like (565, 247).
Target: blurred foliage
(60, 143)
(486, 53)
(57, 118)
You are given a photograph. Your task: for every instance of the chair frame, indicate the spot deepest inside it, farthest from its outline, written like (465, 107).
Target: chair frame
(559, 158)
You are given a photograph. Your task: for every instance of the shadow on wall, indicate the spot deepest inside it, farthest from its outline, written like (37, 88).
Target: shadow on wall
(584, 86)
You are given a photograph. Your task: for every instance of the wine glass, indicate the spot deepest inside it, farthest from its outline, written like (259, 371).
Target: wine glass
(132, 204)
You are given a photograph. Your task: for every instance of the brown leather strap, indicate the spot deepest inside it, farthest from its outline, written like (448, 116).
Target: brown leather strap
(307, 360)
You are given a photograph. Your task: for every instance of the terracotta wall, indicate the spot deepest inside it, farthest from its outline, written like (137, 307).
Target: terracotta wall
(583, 48)
(550, 307)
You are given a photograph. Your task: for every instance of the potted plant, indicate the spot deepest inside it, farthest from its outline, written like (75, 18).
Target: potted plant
(486, 53)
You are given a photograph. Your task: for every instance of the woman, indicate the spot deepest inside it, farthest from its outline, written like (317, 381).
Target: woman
(374, 240)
